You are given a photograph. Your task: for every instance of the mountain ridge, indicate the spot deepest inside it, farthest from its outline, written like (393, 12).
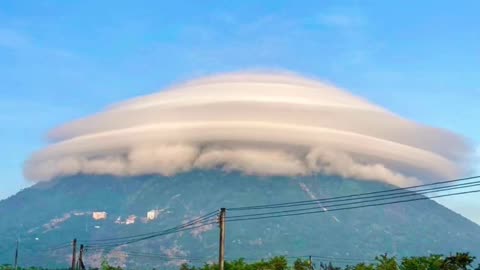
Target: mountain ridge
(66, 204)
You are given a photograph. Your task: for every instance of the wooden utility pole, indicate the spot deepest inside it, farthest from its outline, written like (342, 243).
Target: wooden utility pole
(80, 258)
(16, 256)
(74, 251)
(221, 251)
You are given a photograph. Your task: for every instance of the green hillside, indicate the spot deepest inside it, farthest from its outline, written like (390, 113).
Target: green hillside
(55, 212)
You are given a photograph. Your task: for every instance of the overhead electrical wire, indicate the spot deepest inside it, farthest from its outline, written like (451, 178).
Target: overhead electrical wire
(350, 208)
(166, 232)
(164, 256)
(275, 205)
(373, 198)
(202, 221)
(191, 222)
(90, 247)
(329, 258)
(341, 259)
(60, 246)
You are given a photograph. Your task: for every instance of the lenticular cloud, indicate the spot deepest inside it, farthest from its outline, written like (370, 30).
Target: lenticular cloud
(258, 124)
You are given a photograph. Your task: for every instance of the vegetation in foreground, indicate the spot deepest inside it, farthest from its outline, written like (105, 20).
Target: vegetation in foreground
(459, 261)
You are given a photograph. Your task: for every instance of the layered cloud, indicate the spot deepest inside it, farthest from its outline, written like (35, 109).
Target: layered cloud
(258, 124)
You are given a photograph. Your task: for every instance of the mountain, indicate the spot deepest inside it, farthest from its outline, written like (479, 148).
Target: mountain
(51, 213)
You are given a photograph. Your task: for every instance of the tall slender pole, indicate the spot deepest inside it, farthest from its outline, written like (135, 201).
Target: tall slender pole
(74, 251)
(80, 258)
(310, 262)
(221, 251)
(16, 256)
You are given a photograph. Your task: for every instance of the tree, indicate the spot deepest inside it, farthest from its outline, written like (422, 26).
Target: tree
(432, 262)
(278, 263)
(239, 264)
(186, 266)
(360, 266)
(328, 266)
(106, 266)
(300, 264)
(386, 263)
(459, 261)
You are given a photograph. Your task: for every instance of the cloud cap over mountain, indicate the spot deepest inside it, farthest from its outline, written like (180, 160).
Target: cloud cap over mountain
(259, 124)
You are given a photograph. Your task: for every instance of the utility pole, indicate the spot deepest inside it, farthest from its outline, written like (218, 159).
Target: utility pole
(16, 256)
(310, 262)
(80, 258)
(74, 251)
(221, 251)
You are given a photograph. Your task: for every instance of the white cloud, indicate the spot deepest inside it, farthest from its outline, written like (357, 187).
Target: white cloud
(260, 124)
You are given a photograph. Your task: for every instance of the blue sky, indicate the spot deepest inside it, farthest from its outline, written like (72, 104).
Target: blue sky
(60, 60)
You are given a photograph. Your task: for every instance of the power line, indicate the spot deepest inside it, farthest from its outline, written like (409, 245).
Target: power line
(329, 258)
(350, 196)
(60, 246)
(191, 222)
(375, 198)
(143, 238)
(55, 247)
(166, 232)
(333, 259)
(362, 196)
(112, 242)
(163, 256)
(353, 207)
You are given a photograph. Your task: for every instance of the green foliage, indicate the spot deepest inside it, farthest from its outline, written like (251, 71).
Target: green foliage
(106, 266)
(300, 264)
(432, 262)
(185, 266)
(361, 266)
(329, 266)
(459, 261)
(278, 263)
(386, 263)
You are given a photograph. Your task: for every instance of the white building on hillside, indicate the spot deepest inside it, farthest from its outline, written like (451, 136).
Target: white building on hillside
(99, 215)
(131, 219)
(153, 214)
